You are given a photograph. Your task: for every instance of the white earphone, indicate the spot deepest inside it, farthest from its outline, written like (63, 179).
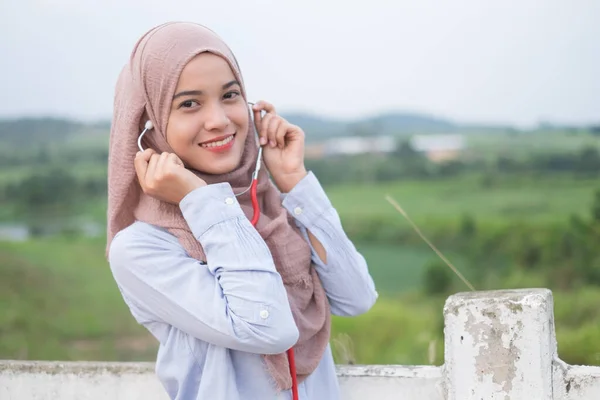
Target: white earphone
(147, 127)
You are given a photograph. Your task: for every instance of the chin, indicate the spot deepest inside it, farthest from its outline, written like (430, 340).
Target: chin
(218, 168)
(222, 170)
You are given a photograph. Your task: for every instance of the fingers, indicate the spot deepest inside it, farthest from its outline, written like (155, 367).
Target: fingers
(258, 123)
(141, 164)
(268, 125)
(262, 121)
(264, 129)
(144, 155)
(271, 130)
(264, 106)
(172, 158)
(276, 132)
(281, 133)
(151, 167)
(161, 164)
(151, 171)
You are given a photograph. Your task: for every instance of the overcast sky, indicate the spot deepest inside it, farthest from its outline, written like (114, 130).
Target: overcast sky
(517, 61)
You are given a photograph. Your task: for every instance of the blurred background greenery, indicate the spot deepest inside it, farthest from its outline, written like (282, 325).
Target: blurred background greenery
(511, 208)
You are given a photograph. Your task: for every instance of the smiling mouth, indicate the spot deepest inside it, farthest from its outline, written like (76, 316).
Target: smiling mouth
(218, 143)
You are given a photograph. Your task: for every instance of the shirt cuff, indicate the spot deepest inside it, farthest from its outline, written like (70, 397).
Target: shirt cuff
(209, 205)
(307, 201)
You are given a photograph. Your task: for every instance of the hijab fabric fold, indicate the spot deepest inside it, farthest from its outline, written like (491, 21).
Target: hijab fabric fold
(144, 91)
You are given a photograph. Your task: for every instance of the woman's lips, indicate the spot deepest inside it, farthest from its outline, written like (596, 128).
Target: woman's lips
(219, 144)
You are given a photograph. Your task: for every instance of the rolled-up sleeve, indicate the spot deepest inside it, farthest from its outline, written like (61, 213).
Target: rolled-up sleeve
(236, 300)
(346, 279)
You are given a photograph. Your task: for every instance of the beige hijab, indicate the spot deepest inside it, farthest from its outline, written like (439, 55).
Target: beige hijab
(144, 91)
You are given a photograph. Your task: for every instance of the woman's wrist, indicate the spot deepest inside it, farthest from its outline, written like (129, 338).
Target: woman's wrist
(285, 183)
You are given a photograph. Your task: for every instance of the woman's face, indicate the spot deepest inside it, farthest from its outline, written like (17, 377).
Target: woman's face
(208, 123)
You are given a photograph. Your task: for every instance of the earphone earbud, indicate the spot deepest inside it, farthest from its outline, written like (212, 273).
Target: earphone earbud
(149, 125)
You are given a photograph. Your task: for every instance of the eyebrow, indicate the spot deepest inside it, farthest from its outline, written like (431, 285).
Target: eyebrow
(199, 92)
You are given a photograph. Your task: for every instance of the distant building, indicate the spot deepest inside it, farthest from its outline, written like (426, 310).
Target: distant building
(351, 145)
(439, 148)
(14, 233)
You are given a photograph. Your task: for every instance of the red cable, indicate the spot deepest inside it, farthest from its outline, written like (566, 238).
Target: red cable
(254, 198)
(292, 363)
(290, 352)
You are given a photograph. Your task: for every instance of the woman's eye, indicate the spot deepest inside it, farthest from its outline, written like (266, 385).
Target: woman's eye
(231, 95)
(188, 104)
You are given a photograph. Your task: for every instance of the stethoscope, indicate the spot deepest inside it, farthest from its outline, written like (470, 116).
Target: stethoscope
(255, 216)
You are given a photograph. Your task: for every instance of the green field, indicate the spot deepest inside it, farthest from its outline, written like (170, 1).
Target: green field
(81, 171)
(523, 145)
(399, 269)
(62, 304)
(526, 199)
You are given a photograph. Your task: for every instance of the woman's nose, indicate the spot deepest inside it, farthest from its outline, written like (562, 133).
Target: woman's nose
(216, 118)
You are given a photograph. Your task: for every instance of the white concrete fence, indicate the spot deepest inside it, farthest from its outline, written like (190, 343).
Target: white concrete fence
(498, 345)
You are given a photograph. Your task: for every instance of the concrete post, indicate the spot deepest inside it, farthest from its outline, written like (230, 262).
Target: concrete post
(499, 345)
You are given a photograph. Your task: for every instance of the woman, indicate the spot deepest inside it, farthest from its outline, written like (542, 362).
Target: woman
(225, 299)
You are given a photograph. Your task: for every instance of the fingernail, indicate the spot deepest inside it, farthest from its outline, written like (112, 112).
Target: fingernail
(272, 143)
(263, 141)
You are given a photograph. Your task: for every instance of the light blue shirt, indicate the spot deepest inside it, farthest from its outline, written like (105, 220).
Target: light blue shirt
(213, 321)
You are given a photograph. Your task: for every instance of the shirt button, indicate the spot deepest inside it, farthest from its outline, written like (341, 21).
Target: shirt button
(297, 210)
(264, 314)
(229, 201)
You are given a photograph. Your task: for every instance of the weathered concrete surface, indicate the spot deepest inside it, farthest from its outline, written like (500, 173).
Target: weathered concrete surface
(390, 382)
(575, 382)
(79, 381)
(136, 381)
(499, 345)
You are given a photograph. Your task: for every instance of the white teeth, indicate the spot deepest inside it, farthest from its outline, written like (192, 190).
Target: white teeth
(219, 143)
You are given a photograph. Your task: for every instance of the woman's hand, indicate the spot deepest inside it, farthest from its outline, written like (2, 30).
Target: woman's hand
(283, 146)
(163, 176)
